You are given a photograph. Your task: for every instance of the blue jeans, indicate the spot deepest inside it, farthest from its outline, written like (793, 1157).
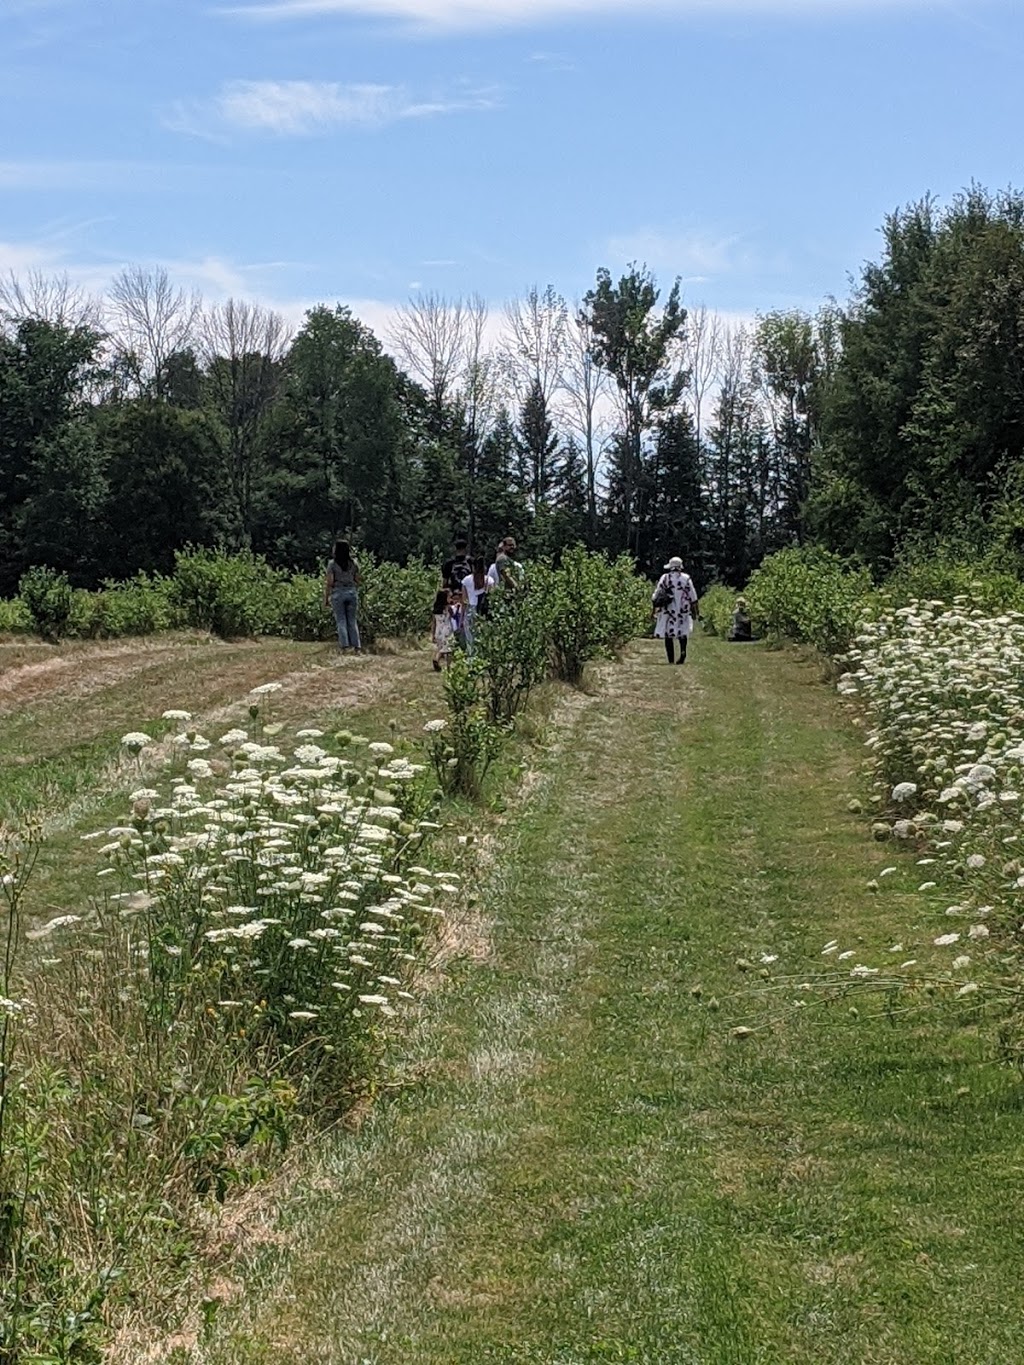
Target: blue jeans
(343, 603)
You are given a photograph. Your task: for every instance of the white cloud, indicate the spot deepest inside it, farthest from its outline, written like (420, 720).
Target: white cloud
(301, 108)
(695, 256)
(19, 258)
(463, 14)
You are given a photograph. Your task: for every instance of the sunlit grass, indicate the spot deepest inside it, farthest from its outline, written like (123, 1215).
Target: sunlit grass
(596, 1168)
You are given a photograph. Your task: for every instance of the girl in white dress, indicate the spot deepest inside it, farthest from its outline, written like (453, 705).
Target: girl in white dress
(674, 601)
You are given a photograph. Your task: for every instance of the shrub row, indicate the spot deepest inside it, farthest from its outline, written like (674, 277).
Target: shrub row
(814, 597)
(564, 616)
(230, 595)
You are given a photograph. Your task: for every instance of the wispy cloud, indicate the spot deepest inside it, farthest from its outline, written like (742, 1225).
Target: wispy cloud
(67, 176)
(552, 61)
(463, 14)
(302, 108)
(696, 256)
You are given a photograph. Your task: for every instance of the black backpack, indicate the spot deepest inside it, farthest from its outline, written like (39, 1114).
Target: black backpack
(459, 568)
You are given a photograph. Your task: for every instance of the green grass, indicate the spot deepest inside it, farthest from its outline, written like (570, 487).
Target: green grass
(586, 1166)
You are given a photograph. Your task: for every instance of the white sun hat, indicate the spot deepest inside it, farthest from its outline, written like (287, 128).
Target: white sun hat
(675, 563)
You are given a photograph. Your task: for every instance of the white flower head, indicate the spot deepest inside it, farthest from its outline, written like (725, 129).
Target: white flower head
(45, 930)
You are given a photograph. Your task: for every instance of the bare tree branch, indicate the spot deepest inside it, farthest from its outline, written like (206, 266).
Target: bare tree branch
(47, 298)
(429, 337)
(151, 320)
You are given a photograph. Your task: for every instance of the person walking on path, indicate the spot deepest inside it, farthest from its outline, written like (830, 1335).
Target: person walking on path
(475, 587)
(674, 601)
(507, 570)
(446, 627)
(341, 594)
(458, 564)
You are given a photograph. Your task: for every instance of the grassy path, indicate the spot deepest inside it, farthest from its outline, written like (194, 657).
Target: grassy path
(592, 1169)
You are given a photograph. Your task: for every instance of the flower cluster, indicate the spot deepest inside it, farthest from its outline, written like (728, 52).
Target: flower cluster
(281, 891)
(943, 685)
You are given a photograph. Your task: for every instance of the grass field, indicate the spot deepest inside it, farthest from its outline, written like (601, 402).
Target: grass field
(576, 1160)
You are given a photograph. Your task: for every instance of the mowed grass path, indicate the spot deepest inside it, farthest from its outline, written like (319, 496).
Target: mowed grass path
(586, 1165)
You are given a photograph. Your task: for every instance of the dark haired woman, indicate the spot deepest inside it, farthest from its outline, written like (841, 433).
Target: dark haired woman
(474, 588)
(341, 594)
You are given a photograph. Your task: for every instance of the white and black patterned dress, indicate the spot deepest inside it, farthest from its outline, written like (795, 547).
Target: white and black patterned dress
(676, 620)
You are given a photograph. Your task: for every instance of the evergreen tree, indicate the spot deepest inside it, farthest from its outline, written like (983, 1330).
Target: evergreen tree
(538, 444)
(676, 505)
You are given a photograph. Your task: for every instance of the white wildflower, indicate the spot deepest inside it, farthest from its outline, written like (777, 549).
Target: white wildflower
(45, 930)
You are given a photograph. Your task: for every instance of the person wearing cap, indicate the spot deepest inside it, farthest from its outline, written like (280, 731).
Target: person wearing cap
(674, 601)
(741, 629)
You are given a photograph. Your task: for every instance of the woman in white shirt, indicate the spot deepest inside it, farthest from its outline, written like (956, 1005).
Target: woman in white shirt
(475, 587)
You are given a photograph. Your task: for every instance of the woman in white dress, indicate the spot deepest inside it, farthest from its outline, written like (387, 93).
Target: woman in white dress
(675, 602)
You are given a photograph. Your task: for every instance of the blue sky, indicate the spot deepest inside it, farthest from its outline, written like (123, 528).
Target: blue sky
(361, 150)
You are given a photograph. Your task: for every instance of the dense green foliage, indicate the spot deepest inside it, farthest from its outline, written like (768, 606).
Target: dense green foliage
(118, 450)
(230, 595)
(922, 432)
(560, 619)
(882, 429)
(809, 596)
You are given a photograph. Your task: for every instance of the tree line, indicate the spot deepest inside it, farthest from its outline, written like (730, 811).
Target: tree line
(145, 421)
(136, 424)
